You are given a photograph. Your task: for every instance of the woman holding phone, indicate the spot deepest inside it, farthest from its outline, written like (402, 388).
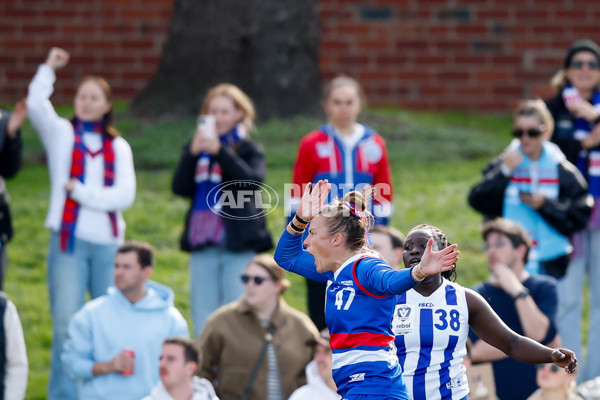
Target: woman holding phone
(533, 184)
(219, 161)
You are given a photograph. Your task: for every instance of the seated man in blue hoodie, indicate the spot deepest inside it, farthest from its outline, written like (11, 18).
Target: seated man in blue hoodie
(115, 341)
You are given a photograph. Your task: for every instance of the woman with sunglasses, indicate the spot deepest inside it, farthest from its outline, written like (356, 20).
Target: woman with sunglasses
(255, 348)
(554, 384)
(360, 292)
(533, 184)
(576, 110)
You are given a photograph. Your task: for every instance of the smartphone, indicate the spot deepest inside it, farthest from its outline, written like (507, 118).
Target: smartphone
(206, 125)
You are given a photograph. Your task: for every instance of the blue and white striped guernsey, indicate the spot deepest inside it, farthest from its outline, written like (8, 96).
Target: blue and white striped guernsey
(431, 333)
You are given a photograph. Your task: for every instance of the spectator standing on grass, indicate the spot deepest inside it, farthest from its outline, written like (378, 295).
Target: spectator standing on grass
(255, 348)
(533, 184)
(10, 163)
(221, 160)
(179, 361)
(348, 154)
(576, 110)
(115, 341)
(92, 180)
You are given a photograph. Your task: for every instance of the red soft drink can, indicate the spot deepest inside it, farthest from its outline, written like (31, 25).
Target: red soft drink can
(131, 354)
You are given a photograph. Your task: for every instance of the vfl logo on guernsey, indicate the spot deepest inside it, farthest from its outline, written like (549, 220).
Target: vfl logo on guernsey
(403, 320)
(357, 377)
(403, 311)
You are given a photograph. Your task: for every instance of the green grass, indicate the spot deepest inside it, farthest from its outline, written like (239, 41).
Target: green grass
(435, 158)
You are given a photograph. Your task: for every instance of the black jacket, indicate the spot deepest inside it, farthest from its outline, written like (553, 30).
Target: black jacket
(244, 161)
(567, 214)
(563, 128)
(10, 163)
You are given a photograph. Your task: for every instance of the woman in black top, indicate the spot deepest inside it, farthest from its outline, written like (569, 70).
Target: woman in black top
(221, 171)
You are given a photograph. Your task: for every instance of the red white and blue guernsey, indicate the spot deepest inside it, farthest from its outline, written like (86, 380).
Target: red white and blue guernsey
(359, 308)
(347, 162)
(431, 334)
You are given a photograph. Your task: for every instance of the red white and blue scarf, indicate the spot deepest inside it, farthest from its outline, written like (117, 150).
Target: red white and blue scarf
(588, 161)
(206, 223)
(71, 208)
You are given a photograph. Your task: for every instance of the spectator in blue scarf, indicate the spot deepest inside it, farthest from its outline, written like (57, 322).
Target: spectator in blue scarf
(576, 110)
(219, 166)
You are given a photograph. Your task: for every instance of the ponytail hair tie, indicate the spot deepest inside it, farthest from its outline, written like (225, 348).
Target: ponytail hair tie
(353, 210)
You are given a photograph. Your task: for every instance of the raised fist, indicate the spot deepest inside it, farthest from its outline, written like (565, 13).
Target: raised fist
(57, 58)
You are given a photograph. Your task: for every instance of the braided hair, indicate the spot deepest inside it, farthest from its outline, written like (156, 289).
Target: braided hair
(441, 242)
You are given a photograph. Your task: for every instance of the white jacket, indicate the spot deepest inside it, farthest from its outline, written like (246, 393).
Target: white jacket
(16, 368)
(96, 200)
(315, 388)
(203, 390)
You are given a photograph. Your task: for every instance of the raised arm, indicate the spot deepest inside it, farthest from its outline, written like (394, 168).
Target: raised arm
(41, 112)
(289, 253)
(490, 328)
(379, 278)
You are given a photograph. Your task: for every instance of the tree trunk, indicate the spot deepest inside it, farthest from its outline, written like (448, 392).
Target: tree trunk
(269, 48)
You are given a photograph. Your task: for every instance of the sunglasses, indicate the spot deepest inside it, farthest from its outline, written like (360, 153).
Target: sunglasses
(258, 280)
(553, 367)
(580, 64)
(532, 133)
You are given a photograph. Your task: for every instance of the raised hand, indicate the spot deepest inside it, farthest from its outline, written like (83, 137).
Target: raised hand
(16, 118)
(57, 58)
(202, 143)
(435, 262)
(583, 109)
(313, 199)
(512, 159)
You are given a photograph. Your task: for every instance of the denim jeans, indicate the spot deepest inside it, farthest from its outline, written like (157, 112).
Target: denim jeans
(90, 266)
(570, 305)
(215, 281)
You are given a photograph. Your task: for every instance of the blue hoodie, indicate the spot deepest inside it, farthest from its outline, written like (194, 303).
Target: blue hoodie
(110, 324)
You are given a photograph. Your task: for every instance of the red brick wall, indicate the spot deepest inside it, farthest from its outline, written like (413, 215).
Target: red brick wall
(120, 40)
(461, 54)
(433, 54)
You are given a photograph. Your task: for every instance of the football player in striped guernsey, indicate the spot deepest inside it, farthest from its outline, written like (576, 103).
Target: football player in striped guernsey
(360, 289)
(431, 323)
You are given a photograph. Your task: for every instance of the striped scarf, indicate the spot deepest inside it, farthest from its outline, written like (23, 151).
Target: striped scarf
(588, 161)
(206, 223)
(71, 208)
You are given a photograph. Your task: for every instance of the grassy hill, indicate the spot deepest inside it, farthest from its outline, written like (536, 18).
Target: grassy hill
(435, 158)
